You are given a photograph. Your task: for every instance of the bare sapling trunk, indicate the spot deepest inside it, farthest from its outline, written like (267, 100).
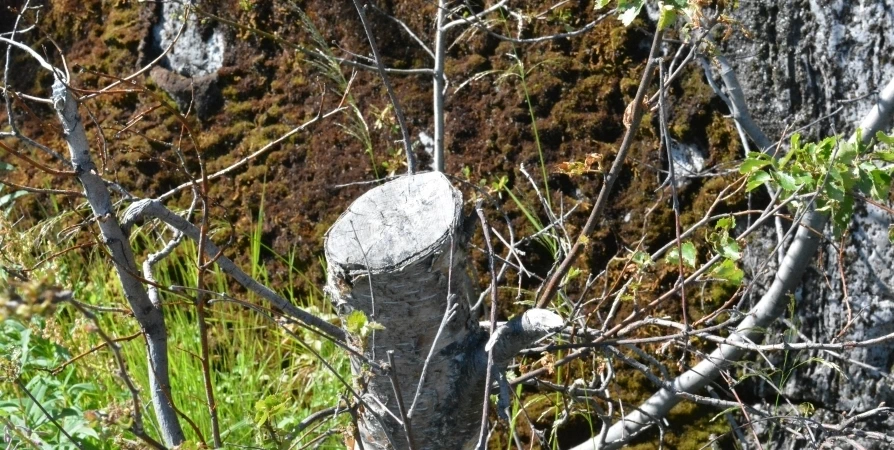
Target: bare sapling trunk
(148, 314)
(398, 256)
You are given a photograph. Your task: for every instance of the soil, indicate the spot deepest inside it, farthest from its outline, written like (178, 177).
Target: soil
(578, 90)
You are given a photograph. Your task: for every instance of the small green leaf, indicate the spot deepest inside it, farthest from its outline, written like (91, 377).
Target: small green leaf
(729, 271)
(884, 155)
(10, 198)
(689, 254)
(729, 248)
(884, 138)
(726, 223)
(757, 179)
(667, 18)
(786, 181)
(796, 142)
(841, 217)
(847, 152)
(641, 259)
(881, 184)
(673, 256)
(630, 12)
(754, 162)
(355, 322)
(834, 191)
(806, 409)
(601, 4)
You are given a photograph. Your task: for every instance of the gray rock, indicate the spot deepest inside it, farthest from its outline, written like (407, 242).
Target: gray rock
(188, 71)
(806, 60)
(198, 51)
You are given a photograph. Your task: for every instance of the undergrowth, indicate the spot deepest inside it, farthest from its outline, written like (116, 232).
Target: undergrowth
(58, 374)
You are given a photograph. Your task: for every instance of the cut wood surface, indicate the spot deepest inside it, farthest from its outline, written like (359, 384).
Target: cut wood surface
(395, 255)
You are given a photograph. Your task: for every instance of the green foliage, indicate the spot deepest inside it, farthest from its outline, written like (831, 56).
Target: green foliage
(687, 249)
(357, 323)
(30, 394)
(728, 270)
(251, 357)
(835, 168)
(628, 10)
(724, 245)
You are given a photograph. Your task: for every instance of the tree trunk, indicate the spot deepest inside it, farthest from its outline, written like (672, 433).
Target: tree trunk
(398, 256)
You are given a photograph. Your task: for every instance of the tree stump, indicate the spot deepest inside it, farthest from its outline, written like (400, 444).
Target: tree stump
(398, 254)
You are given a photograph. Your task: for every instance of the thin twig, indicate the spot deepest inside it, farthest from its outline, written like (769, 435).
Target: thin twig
(398, 112)
(398, 396)
(666, 140)
(482, 436)
(552, 286)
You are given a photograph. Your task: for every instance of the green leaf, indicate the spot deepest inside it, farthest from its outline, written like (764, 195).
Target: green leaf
(881, 184)
(8, 199)
(884, 155)
(841, 218)
(794, 149)
(796, 142)
(667, 18)
(753, 162)
(726, 223)
(757, 179)
(729, 271)
(689, 254)
(834, 191)
(884, 138)
(673, 256)
(641, 259)
(847, 152)
(806, 409)
(786, 181)
(729, 248)
(601, 4)
(355, 322)
(630, 11)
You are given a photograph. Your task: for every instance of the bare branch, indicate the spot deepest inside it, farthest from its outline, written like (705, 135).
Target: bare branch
(154, 208)
(765, 312)
(636, 109)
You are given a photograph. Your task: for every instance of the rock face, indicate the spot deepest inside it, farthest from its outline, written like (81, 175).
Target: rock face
(188, 71)
(806, 60)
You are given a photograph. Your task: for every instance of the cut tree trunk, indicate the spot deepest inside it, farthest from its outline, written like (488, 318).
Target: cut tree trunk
(398, 255)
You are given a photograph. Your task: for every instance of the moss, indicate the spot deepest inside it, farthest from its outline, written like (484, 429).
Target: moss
(467, 66)
(579, 88)
(723, 139)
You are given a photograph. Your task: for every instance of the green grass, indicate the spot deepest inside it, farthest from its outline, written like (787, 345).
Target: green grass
(265, 381)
